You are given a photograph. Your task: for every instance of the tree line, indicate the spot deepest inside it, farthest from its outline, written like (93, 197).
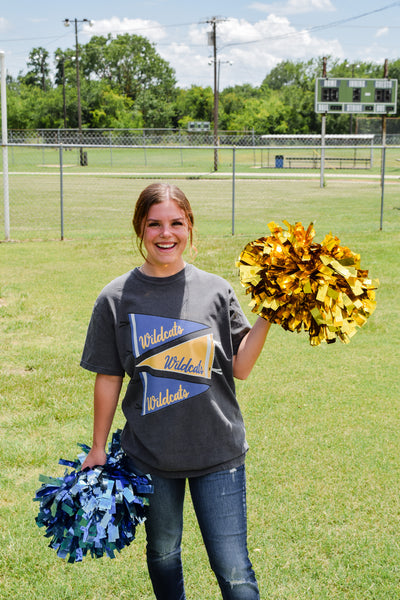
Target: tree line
(125, 83)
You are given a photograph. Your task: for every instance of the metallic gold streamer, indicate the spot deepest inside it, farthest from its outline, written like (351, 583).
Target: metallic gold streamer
(303, 285)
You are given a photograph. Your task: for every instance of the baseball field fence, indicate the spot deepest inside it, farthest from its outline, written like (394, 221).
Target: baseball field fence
(42, 169)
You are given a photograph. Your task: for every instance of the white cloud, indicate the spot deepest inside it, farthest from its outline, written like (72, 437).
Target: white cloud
(191, 66)
(253, 48)
(38, 20)
(302, 6)
(377, 53)
(149, 29)
(239, 31)
(280, 42)
(293, 7)
(197, 34)
(3, 24)
(382, 31)
(273, 36)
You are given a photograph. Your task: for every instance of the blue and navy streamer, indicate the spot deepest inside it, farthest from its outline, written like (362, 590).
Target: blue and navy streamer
(96, 510)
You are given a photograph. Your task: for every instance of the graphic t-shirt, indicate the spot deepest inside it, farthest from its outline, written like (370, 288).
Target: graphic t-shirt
(175, 338)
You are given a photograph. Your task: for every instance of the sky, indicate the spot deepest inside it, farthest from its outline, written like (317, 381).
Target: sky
(252, 36)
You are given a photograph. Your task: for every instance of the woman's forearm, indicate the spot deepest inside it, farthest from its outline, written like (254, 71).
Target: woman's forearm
(106, 394)
(250, 348)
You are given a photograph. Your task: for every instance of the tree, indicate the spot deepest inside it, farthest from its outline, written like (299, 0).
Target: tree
(300, 114)
(347, 69)
(38, 74)
(30, 107)
(132, 68)
(129, 63)
(108, 109)
(125, 83)
(65, 67)
(263, 115)
(194, 104)
(288, 73)
(125, 71)
(241, 91)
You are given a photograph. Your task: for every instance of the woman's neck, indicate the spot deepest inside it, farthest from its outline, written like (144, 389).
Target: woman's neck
(161, 271)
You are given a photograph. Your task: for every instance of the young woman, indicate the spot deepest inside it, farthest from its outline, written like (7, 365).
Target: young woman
(181, 337)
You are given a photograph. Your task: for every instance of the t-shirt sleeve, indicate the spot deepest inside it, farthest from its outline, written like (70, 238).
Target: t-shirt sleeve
(239, 323)
(100, 352)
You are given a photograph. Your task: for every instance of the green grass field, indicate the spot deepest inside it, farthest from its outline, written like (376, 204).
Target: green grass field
(258, 160)
(322, 423)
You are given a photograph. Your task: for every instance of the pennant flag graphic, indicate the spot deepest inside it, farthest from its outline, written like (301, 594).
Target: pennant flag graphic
(194, 357)
(149, 332)
(160, 392)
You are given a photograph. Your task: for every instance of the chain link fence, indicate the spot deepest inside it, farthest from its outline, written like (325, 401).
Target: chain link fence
(178, 149)
(49, 179)
(131, 137)
(374, 125)
(183, 137)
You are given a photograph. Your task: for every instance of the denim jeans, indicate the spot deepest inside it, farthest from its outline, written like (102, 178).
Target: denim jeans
(219, 500)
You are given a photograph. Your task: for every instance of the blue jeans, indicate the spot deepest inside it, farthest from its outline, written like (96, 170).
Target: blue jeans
(219, 500)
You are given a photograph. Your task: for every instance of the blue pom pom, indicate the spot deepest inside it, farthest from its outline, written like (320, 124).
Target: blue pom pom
(94, 510)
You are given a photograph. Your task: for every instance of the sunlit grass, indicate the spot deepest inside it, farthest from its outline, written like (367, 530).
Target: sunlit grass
(322, 423)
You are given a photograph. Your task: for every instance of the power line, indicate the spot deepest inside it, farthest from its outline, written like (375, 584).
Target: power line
(125, 30)
(149, 27)
(29, 39)
(315, 28)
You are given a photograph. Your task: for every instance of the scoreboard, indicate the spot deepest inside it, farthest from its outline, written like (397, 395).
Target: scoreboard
(355, 96)
(199, 126)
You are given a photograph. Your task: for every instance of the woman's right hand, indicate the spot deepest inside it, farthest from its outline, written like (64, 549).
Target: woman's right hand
(96, 457)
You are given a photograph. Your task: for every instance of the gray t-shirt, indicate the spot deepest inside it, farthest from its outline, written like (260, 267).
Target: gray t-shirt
(175, 338)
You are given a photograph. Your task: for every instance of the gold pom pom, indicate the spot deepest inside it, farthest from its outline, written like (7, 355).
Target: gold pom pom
(300, 284)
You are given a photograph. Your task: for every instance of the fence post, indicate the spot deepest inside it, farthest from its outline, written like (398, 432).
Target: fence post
(233, 187)
(323, 131)
(371, 156)
(4, 143)
(383, 165)
(382, 184)
(180, 146)
(144, 147)
(61, 192)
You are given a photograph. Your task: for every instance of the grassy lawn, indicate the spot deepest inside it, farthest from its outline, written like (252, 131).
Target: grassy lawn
(96, 206)
(259, 160)
(322, 423)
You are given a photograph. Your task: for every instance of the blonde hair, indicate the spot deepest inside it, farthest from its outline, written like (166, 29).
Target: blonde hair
(155, 193)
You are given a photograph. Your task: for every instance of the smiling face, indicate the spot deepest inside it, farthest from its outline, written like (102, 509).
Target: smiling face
(165, 233)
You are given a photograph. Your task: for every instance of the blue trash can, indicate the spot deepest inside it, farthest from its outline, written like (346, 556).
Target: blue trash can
(279, 161)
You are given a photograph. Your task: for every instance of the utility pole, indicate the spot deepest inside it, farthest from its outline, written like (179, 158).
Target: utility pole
(213, 42)
(78, 86)
(61, 65)
(67, 23)
(64, 98)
